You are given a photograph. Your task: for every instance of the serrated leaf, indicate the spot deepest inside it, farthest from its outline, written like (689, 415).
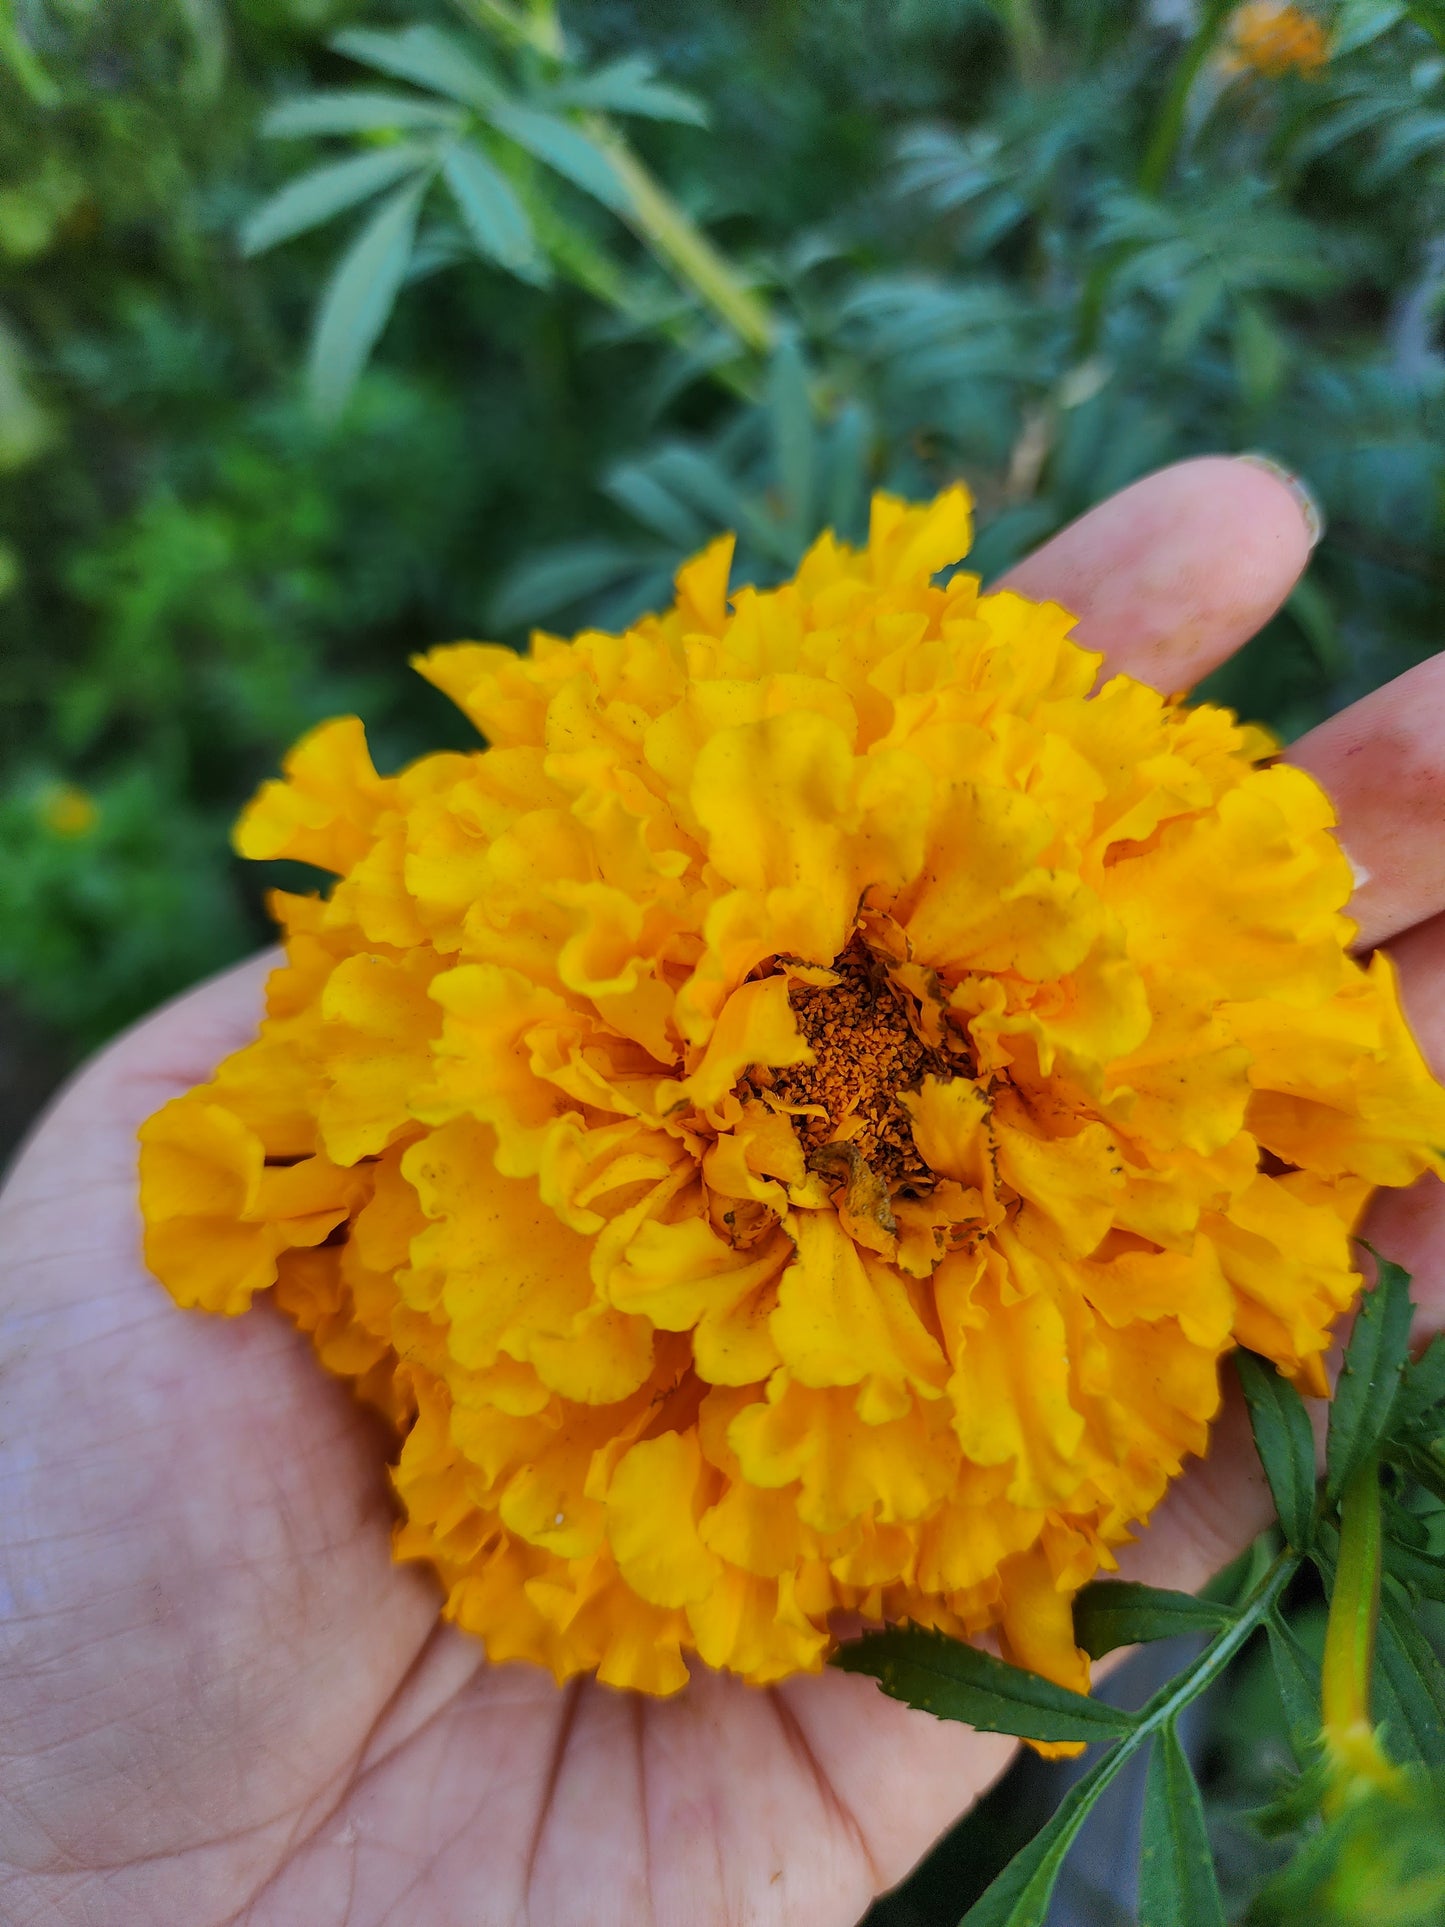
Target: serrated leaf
(425, 56)
(491, 212)
(627, 86)
(1410, 1688)
(565, 149)
(1020, 1896)
(1298, 1680)
(1422, 1387)
(1422, 1572)
(1370, 1376)
(355, 110)
(1285, 1442)
(359, 298)
(1177, 1884)
(325, 192)
(955, 1681)
(1117, 1612)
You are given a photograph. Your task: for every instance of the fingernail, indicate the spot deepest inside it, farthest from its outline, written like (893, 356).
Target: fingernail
(1309, 508)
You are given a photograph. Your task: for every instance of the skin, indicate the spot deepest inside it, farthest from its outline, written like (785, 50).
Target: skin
(221, 1702)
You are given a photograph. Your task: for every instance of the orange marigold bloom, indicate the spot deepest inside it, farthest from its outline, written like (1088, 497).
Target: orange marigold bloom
(794, 1123)
(1275, 40)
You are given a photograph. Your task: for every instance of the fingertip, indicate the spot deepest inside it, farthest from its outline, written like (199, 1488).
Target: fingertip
(1169, 577)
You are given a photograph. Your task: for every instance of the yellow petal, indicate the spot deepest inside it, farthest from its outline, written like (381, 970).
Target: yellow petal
(652, 1510)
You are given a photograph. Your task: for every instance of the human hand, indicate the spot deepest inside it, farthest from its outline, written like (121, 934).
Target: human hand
(219, 1699)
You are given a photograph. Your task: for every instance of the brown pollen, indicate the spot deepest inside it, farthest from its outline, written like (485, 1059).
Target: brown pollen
(868, 1052)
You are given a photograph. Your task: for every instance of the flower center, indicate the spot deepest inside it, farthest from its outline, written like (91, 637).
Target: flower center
(864, 1034)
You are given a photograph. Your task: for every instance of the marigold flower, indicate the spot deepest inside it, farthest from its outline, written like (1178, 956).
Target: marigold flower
(794, 1123)
(1273, 40)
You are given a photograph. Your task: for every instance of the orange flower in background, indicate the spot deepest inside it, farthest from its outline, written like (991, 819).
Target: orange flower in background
(1273, 40)
(794, 1123)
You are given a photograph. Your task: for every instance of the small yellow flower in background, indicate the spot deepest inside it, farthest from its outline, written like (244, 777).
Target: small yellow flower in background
(794, 1124)
(67, 811)
(1273, 40)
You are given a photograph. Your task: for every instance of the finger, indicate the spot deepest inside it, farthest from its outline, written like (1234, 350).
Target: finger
(1383, 762)
(173, 1048)
(1173, 574)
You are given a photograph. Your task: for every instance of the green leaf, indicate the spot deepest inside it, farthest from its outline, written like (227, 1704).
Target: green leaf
(846, 470)
(1020, 1896)
(1285, 1442)
(491, 212)
(1422, 1572)
(794, 436)
(327, 191)
(626, 86)
(635, 487)
(1117, 1612)
(426, 56)
(354, 111)
(1358, 22)
(1422, 1387)
(955, 1681)
(539, 585)
(1369, 1377)
(1177, 1884)
(1311, 610)
(1298, 1679)
(1298, 1800)
(359, 298)
(1410, 1687)
(565, 149)
(1261, 354)
(1425, 1463)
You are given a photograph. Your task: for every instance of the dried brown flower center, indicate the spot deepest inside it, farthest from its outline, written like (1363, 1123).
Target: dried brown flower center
(868, 1051)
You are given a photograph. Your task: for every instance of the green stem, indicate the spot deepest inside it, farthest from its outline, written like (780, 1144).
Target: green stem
(1172, 1698)
(675, 239)
(1027, 35)
(16, 55)
(536, 27)
(1166, 1705)
(1169, 128)
(1349, 1658)
(1154, 171)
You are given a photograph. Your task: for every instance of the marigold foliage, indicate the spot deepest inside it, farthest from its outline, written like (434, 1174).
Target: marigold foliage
(1275, 40)
(712, 1288)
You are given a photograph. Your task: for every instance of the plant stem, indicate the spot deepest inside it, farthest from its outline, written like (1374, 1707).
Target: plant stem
(537, 27)
(1349, 1658)
(686, 250)
(1154, 171)
(1169, 128)
(1166, 1705)
(1028, 38)
(15, 54)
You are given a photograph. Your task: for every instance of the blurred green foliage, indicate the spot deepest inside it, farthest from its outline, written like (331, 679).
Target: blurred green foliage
(610, 281)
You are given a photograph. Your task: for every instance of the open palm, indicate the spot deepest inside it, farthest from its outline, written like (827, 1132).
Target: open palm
(221, 1702)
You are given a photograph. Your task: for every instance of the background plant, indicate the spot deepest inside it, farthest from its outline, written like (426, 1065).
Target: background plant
(331, 328)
